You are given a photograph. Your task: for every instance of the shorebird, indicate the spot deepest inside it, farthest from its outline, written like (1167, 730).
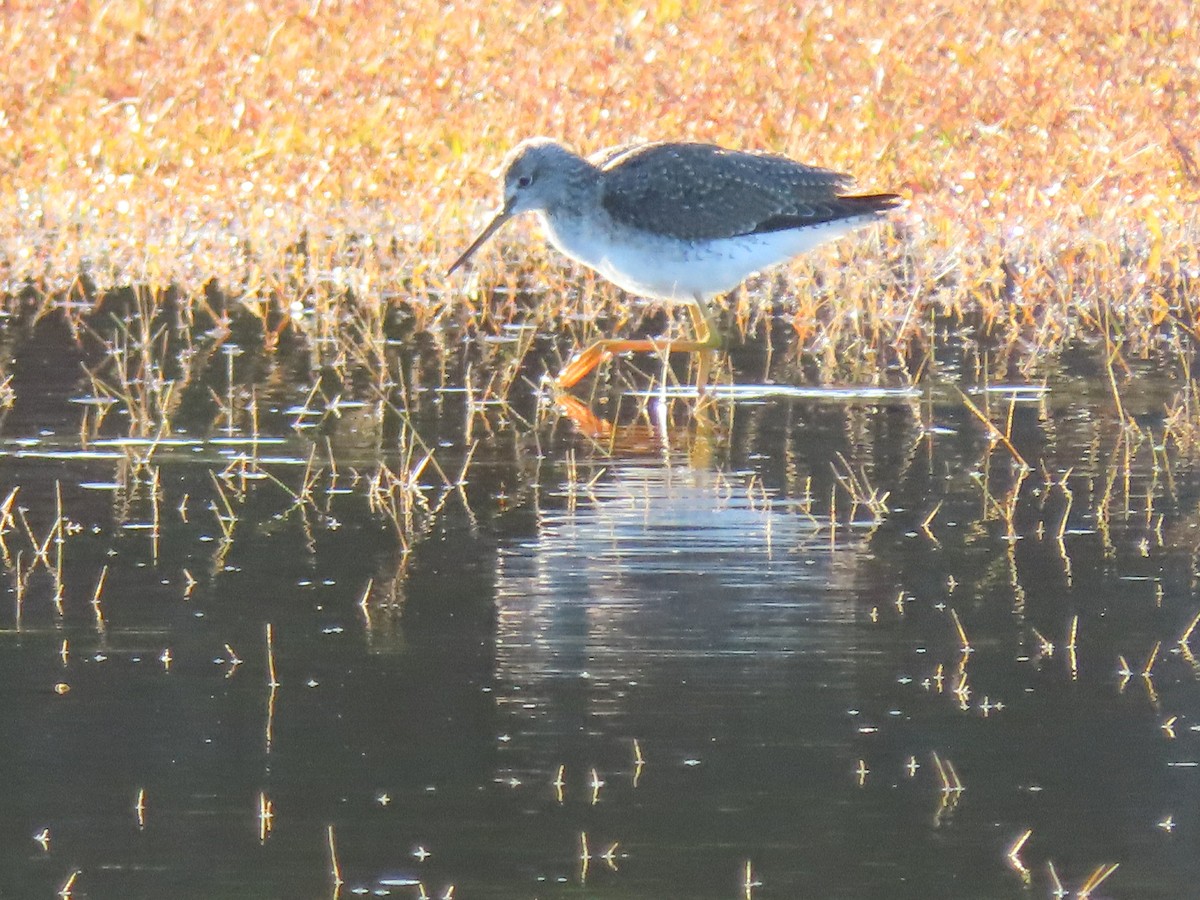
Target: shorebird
(677, 222)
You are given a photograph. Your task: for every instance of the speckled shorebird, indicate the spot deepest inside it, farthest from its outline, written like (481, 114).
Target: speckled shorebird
(675, 222)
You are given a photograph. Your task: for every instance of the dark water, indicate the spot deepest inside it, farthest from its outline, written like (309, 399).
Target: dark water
(466, 678)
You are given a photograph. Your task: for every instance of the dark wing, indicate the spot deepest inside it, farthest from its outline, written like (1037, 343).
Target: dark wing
(698, 191)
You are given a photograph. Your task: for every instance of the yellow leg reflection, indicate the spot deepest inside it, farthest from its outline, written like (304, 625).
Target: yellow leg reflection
(651, 435)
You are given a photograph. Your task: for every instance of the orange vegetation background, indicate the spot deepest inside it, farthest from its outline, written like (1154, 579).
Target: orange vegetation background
(159, 143)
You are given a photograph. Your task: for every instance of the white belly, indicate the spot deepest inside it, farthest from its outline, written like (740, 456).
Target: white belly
(670, 269)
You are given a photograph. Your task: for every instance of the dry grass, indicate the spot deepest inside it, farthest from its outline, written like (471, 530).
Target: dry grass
(301, 153)
(322, 162)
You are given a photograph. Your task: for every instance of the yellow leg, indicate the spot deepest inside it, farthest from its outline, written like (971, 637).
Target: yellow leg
(708, 336)
(707, 341)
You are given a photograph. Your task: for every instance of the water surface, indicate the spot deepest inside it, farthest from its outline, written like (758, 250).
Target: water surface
(670, 659)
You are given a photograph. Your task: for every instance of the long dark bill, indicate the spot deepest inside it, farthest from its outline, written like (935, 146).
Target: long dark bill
(499, 219)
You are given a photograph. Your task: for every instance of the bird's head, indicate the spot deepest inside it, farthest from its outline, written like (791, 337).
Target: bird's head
(538, 174)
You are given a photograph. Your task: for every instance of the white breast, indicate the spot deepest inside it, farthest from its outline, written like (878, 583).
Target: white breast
(667, 268)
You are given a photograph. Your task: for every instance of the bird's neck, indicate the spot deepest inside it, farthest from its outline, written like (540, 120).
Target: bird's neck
(579, 190)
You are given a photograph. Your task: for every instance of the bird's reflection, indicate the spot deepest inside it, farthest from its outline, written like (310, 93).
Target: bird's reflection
(659, 565)
(658, 427)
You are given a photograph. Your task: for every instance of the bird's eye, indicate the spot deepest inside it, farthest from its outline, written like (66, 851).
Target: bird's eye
(524, 181)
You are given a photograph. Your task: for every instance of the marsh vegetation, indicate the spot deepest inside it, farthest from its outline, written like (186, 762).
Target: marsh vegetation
(311, 588)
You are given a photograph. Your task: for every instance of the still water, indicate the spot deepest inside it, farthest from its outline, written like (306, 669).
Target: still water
(667, 656)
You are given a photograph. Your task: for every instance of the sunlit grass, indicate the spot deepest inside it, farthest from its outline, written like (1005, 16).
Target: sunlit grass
(198, 190)
(295, 153)
(271, 175)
